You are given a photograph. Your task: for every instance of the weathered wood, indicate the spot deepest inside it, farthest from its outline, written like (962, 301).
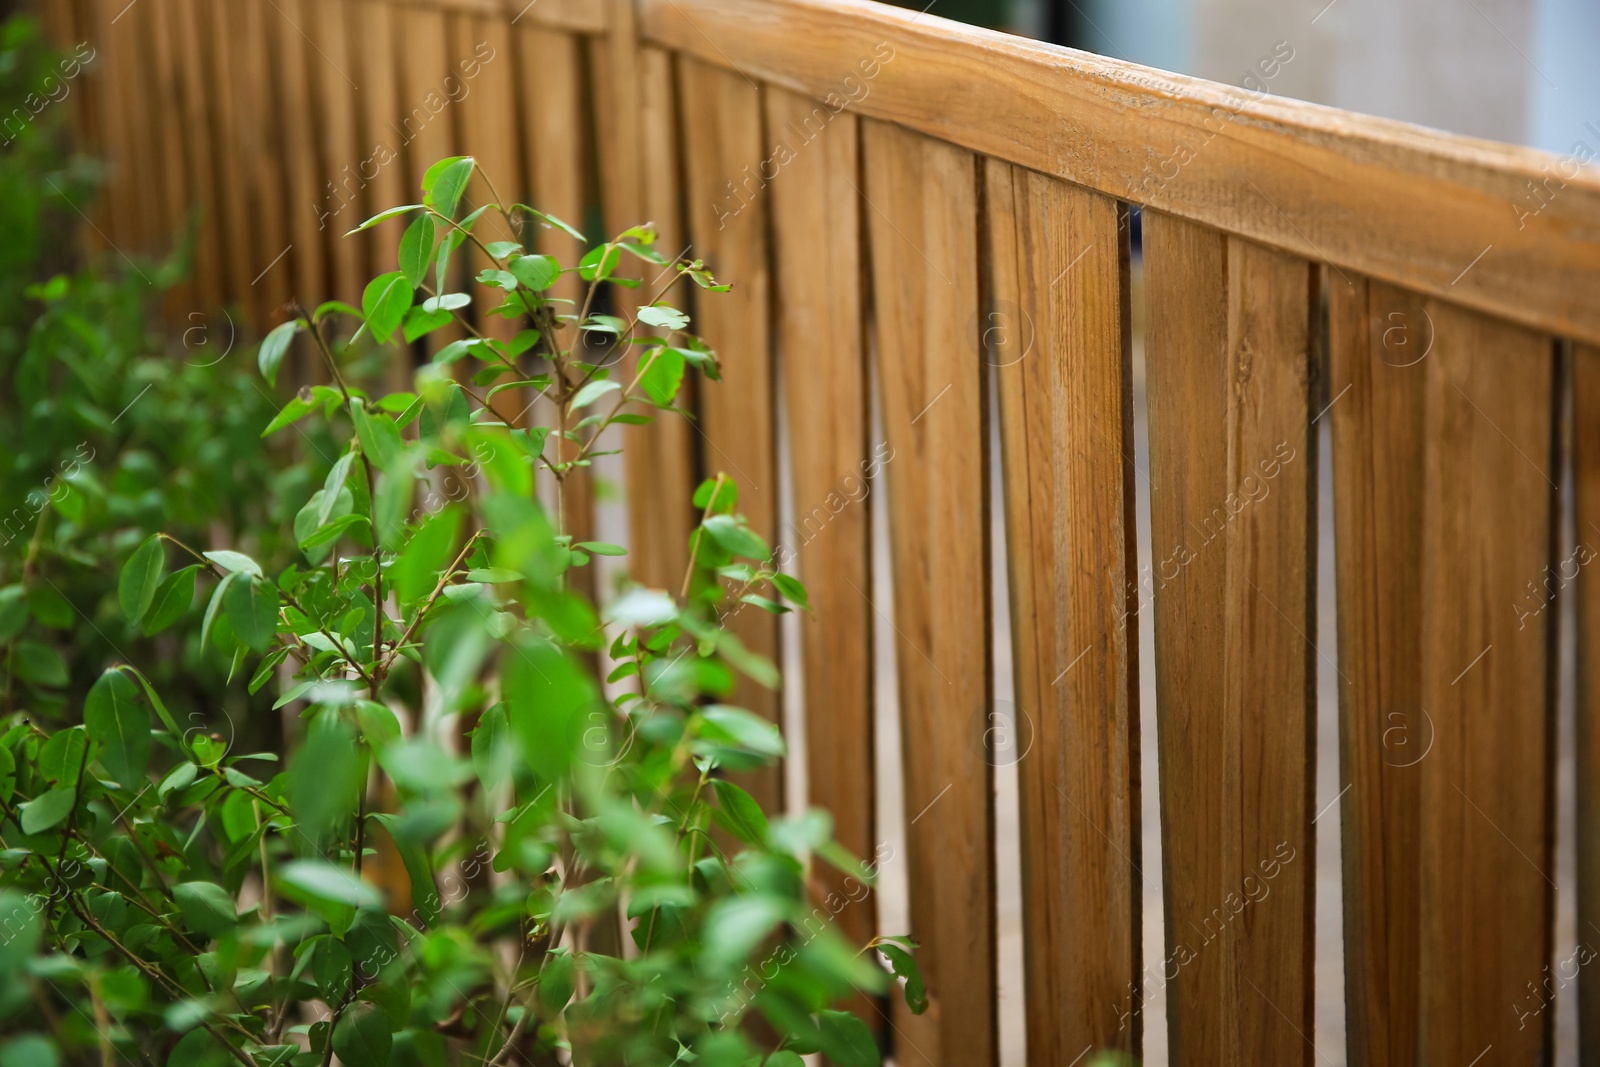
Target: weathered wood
(1586, 476)
(309, 275)
(1057, 332)
(1446, 215)
(331, 61)
(660, 459)
(382, 168)
(1379, 338)
(574, 16)
(1486, 856)
(819, 276)
(921, 206)
(1232, 469)
(722, 136)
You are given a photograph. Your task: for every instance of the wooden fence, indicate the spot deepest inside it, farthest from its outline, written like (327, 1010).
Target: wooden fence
(920, 216)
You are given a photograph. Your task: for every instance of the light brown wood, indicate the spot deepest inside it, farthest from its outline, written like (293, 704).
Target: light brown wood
(1486, 857)
(1447, 215)
(1232, 467)
(575, 16)
(1586, 476)
(722, 135)
(331, 61)
(233, 99)
(922, 213)
(309, 277)
(192, 22)
(427, 118)
(819, 275)
(170, 206)
(1056, 330)
(258, 164)
(1379, 340)
(382, 167)
(660, 459)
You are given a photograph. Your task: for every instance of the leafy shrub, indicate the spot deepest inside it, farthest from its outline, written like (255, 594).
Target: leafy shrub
(583, 877)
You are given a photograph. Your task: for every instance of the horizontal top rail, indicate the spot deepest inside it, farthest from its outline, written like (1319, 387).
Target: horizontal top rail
(1512, 231)
(577, 16)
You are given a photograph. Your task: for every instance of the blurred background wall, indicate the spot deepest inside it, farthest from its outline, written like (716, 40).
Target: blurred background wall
(1524, 71)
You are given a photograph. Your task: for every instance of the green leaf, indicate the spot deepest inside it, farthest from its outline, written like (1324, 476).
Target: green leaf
(172, 600)
(592, 392)
(215, 606)
(273, 348)
(29, 1050)
(234, 562)
(662, 375)
(792, 590)
(727, 496)
(414, 575)
(536, 272)
(419, 866)
(602, 548)
(47, 810)
(333, 484)
(363, 1037)
(39, 664)
(499, 279)
(295, 410)
(447, 302)
(599, 263)
(385, 303)
(502, 249)
(556, 982)
(846, 1040)
(385, 216)
(905, 966)
(141, 575)
(380, 439)
(416, 249)
(115, 718)
(206, 907)
(736, 925)
(663, 316)
(444, 183)
(742, 729)
(325, 778)
(322, 881)
(737, 537)
(420, 321)
(738, 813)
(252, 606)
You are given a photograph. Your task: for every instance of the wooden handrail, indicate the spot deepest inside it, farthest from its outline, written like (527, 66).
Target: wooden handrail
(1445, 215)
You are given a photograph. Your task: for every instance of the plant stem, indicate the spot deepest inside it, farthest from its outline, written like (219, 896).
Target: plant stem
(688, 574)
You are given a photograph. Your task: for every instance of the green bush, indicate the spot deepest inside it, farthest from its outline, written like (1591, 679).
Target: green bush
(584, 879)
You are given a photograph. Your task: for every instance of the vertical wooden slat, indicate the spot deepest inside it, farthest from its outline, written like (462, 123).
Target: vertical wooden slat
(723, 139)
(1232, 467)
(922, 210)
(1487, 875)
(330, 57)
(195, 62)
(487, 119)
(425, 111)
(1586, 477)
(171, 205)
(118, 54)
(383, 166)
(660, 458)
(241, 255)
(1057, 332)
(818, 272)
(309, 277)
(1379, 338)
(259, 163)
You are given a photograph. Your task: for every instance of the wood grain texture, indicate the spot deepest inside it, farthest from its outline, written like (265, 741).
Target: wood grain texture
(1379, 339)
(1486, 856)
(818, 266)
(1057, 332)
(1410, 205)
(1232, 466)
(576, 16)
(660, 459)
(171, 205)
(331, 60)
(922, 212)
(192, 20)
(1586, 476)
(309, 273)
(382, 169)
(722, 142)
(258, 163)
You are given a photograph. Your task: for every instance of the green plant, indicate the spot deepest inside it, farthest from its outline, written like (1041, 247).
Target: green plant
(164, 897)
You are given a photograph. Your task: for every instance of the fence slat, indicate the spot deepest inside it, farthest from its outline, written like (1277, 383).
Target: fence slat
(1378, 339)
(724, 143)
(1232, 522)
(1586, 476)
(331, 60)
(1058, 334)
(1486, 830)
(819, 277)
(309, 278)
(660, 458)
(258, 163)
(922, 211)
(383, 170)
